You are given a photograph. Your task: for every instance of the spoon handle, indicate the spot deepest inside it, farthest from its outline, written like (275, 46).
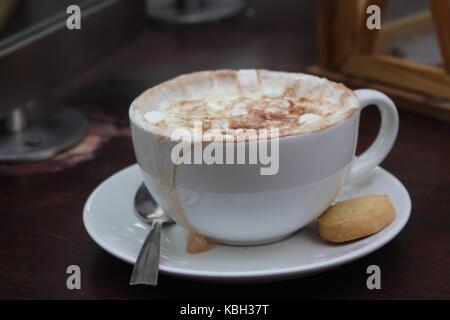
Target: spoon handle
(145, 270)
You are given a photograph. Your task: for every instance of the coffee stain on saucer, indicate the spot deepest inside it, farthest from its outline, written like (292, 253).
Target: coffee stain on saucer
(197, 243)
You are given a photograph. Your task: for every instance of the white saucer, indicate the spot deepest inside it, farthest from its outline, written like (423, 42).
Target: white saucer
(110, 220)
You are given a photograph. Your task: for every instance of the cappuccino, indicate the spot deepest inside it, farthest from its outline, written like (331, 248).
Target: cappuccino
(228, 101)
(237, 204)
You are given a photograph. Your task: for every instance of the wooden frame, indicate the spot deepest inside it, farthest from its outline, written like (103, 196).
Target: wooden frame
(347, 50)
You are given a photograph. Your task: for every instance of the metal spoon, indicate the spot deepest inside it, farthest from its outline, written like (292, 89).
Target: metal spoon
(145, 270)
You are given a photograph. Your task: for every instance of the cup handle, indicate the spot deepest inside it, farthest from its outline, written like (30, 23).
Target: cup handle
(375, 154)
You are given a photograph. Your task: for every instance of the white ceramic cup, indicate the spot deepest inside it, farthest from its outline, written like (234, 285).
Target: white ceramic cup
(235, 204)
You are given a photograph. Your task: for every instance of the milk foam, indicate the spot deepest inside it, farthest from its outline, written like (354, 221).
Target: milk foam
(309, 118)
(294, 103)
(154, 116)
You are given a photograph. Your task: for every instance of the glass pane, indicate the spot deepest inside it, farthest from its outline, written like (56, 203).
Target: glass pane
(22, 18)
(402, 8)
(408, 32)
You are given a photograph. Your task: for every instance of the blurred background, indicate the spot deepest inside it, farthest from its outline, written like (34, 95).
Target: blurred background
(39, 54)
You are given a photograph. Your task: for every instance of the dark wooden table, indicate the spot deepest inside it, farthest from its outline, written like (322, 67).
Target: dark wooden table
(41, 230)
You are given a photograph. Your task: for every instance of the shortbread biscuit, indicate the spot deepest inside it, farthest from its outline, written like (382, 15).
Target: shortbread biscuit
(355, 218)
